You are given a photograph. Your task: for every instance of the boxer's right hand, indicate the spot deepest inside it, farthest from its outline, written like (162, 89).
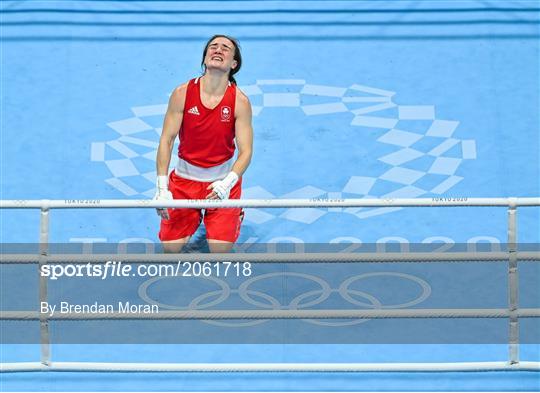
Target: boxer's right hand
(163, 194)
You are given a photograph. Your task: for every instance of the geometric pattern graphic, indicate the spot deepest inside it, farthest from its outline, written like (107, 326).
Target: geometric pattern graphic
(413, 132)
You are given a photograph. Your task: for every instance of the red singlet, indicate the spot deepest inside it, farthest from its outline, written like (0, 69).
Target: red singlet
(207, 135)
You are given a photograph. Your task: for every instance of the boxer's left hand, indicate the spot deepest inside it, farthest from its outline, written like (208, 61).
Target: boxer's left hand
(222, 188)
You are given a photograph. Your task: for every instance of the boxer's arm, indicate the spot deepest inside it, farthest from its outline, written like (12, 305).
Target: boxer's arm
(244, 133)
(171, 127)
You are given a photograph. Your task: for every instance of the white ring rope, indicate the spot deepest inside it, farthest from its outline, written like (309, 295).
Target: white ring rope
(269, 367)
(283, 314)
(336, 257)
(265, 203)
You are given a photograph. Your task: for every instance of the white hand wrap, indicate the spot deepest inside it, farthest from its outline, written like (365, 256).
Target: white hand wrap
(223, 187)
(163, 194)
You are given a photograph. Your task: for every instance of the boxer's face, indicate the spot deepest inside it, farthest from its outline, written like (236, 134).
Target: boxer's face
(220, 55)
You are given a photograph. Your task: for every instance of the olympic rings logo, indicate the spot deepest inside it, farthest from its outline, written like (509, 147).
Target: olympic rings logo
(305, 300)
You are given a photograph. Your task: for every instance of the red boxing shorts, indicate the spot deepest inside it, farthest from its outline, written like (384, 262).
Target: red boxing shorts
(221, 224)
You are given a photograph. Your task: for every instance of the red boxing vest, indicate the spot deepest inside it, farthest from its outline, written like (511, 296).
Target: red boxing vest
(207, 135)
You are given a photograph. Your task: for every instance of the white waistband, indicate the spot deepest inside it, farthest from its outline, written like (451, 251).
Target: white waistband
(188, 171)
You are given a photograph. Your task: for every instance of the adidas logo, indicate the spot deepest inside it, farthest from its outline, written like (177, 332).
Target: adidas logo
(194, 110)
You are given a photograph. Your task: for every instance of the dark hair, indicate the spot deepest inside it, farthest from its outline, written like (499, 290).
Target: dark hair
(237, 55)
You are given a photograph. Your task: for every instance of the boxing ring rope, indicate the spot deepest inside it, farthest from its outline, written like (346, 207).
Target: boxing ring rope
(426, 257)
(45, 204)
(512, 256)
(270, 367)
(284, 314)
